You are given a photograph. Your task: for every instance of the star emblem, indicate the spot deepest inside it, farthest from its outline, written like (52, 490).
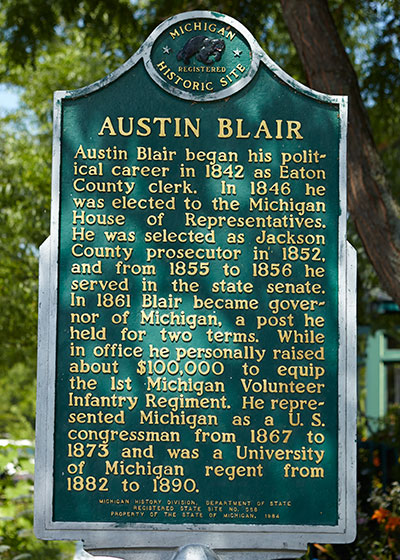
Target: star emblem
(166, 50)
(237, 53)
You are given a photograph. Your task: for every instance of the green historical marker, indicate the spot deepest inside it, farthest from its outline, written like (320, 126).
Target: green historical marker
(196, 359)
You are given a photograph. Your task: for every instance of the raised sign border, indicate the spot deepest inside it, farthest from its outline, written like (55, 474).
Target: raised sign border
(157, 541)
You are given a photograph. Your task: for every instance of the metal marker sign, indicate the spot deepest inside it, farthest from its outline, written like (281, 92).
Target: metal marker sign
(197, 325)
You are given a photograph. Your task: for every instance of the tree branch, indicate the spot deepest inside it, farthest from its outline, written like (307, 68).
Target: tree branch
(328, 69)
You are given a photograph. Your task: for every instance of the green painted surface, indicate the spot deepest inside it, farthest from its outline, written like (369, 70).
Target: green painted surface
(378, 358)
(265, 495)
(376, 405)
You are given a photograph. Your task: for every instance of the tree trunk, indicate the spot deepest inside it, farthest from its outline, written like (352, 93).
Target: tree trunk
(370, 203)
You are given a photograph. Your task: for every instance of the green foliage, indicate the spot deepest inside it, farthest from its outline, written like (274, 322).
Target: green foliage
(373, 42)
(28, 25)
(24, 218)
(17, 541)
(17, 400)
(47, 45)
(24, 200)
(378, 507)
(378, 531)
(379, 452)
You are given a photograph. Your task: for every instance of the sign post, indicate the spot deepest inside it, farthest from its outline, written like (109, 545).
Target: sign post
(197, 307)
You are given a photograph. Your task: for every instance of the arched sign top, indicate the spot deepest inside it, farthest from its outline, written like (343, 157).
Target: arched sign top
(202, 56)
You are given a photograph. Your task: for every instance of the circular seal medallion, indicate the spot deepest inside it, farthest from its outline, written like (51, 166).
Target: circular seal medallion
(201, 56)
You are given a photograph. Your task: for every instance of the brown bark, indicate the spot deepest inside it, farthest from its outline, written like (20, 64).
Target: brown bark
(370, 203)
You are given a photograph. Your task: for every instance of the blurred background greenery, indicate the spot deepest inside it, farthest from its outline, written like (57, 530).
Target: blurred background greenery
(48, 45)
